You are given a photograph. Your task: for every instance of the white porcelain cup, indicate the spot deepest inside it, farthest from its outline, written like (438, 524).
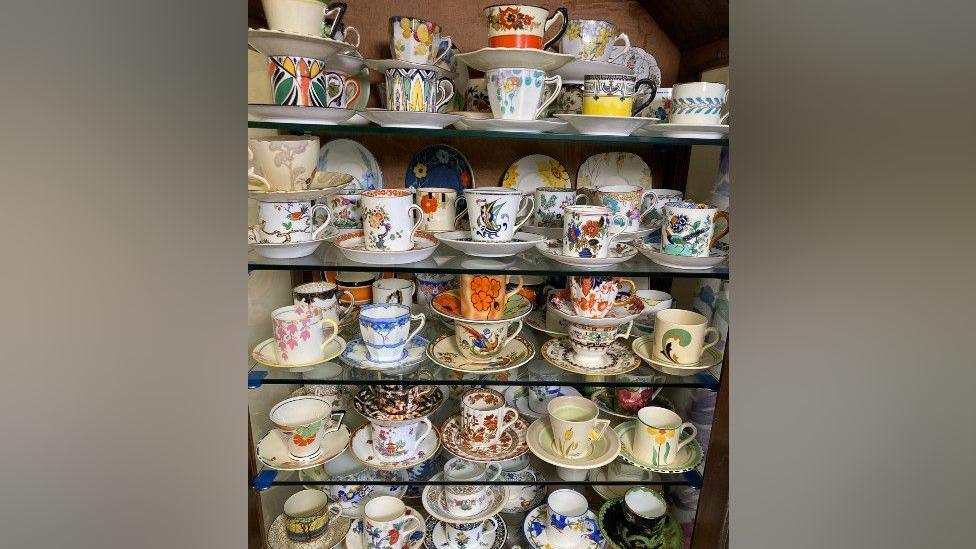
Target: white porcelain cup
(568, 522)
(305, 17)
(386, 524)
(287, 162)
(397, 441)
(679, 336)
(575, 425)
(302, 421)
(388, 223)
(520, 94)
(467, 500)
(591, 343)
(657, 438)
(394, 290)
(469, 535)
(698, 103)
(386, 330)
(299, 336)
(493, 212)
(287, 222)
(482, 340)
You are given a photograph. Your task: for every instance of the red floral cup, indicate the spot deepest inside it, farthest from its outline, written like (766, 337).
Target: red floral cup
(522, 26)
(484, 417)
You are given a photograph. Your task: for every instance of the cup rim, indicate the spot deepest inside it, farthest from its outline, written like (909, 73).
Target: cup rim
(689, 205)
(276, 407)
(494, 190)
(644, 490)
(575, 493)
(387, 193)
(369, 306)
(421, 190)
(666, 313)
(512, 4)
(398, 17)
(675, 418)
(587, 208)
(305, 287)
(573, 398)
(310, 512)
(275, 314)
(393, 500)
(610, 75)
(273, 138)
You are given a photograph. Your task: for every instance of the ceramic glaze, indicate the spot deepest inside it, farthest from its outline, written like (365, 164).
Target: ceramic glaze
(627, 200)
(395, 442)
(302, 420)
(591, 40)
(522, 26)
(417, 41)
(282, 163)
(587, 230)
(657, 436)
(688, 228)
(575, 425)
(493, 213)
(679, 336)
(519, 94)
(386, 330)
(388, 220)
(484, 417)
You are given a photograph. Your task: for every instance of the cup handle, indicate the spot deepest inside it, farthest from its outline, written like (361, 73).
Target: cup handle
(325, 225)
(502, 424)
(418, 223)
(447, 49)
(529, 210)
(564, 15)
(458, 217)
(351, 81)
(345, 36)
(334, 78)
(723, 118)
(630, 326)
(716, 237)
(408, 531)
(599, 427)
(335, 331)
(430, 429)
(725, 99)
(342, 313)
(337, 10)
(517, 288)
(334, 422)
(637, 85)
(511, 336)
(626, 40)
(633, 289)
(650, 208)
(262, 183)
(442, 84)
(423, 320)
(620, 228)
(580, 196)
(558, 81)
(687, 440)
(706, 346)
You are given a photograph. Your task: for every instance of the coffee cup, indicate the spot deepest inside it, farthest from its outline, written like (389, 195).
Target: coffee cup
(386, 524)
(288, 222)
(306, 82)
(286, 162)
(322, 298)
(627, 200)
(302, 421)
(347, 211)
(306, 17)
(485, 339)
(484, 417)
(476, 96)
(469, 535)
(415, 40)
(387, 221)
(522, 26)
(467, 500)
(483, 297)
(307, 515)
(593, 40)
(393, 290)
(589, 230)
(575, 425)
(645, 512)
(591, 343)
(439, 206)
(520, 94)
(698, 103)
(397, 441)
(493, 212)
(657, 439)
(385, 329)
(417, 90)
(679, 336)
(299, 337)
(688, 228)
(613, 94)
(398, 399)
(594, 296)
(568, 518)
(551, 202)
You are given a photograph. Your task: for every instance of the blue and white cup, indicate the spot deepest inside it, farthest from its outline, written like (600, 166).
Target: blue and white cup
(567, 524)
(519, 94)
(386, 329)
(469, 535)
(698, 103)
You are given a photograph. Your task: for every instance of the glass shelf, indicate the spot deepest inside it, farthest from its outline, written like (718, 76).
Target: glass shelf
(450, 132)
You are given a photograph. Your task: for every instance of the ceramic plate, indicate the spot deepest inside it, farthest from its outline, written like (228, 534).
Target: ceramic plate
(597, 124)
(300, 115)
(512, 443)
(612, 512)
(487, 59)
(536, 170)
(381, 65)
(273, 451)
(361, 446)
(355, 355)
(518, 397)
(620, 359)
(536, 521)
(288, 251)
(689, 457)
(351, 245)
(462, 241)
(614, 168)
(448, 305)
(537, 321)
(437, 538)
(644, 347)
(433, 503)
(653, 252)
(600, 474)
(348, 156)
(406, 119)
(275, 42)
(264, 353)
(499, 125)
(692, 131)
(428, 404)
(444, 352)
(623, 311)
(541, 441)
(354, 538)
(334, 533)
(576, 70)
(617, 253)
(440, 166)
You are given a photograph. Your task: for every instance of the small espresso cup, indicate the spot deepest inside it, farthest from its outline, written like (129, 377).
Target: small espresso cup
(469, 535)
(439, 205)
(613, 94)
(679, 336)
(386, 330)
(398, 441)
(626, 200)
(417, 41)
(287, 222)
(657, 438)
(592, 40)
(493, 213)
(417, 90)
(589, 230)
(591, 343)
(520, 94)
(299, 337)
(303, 16)
(386, 524)
(698, 103)
(568, 522)
(483, 297)
(594, 296)
(322, 298)
(394, 290)
(688, 228)
(388, 223)
(575, 425)
(645, 511)
(484, 417)
(551, 202)
(303, 420)
(286, 162)
(307, 515)
(347, 211)
(485, 339)
(467, 500)
(305, 82)
(523, 26)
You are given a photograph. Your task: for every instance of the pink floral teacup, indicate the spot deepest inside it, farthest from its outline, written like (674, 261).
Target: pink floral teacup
(299, 338)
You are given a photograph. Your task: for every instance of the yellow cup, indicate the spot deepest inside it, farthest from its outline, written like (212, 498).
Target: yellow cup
(613, 94)
(607, 105)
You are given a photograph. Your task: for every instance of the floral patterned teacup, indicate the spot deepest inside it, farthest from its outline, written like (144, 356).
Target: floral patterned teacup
(469, 535)
(575, 425)
(429, 285)
(493, 212)
(627, 200)
(467, 500)
(386, 330)
(299, 335)
(594, 296)
(688, 229)
(587, 230)
(657, 438)
(484, 339)
(387, 219)
(439, 206)
(307, 515)
(657, 198)
(476, 96)
(551, 202)
(347, 212)
(286, 162)
(483, 297)
(302, 421)
(567, 524)
(417, 41)
(679, 336)
(590, 343)
(484, 417)
(397, 441)
(286, 222)
(386, 524)
(591, 40)
(519, 94)
(522, 26)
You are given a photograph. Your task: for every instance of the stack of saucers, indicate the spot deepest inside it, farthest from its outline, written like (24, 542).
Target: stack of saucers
(465, 515)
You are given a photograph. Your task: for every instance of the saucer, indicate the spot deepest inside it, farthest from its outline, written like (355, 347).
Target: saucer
(362, 449)
(323, 184)
(501, 125)
(354, 537)
(448, 305)
(291, 250)
(618, 252)
(381, 65)
(367, 408)
(644, 347)
(688, 457)
(603, 399)
(300, 115)
(536, 521)
(602, 452)
(273, 452)
(688, 131)
(559, 352)
(609, 519)
(432, 501)
(518, 398)
(334, 533)
(462, 241)
(515, 353)
(473, 115)
(619, 314)
(275, 42)
(351, 246)
(356, 355)
(487, 59)
(654, 253)
(511, 444)
(610, 491)
(437, 538)
(346, 63)
(576, 70)
(264, 353)
(537, 321)
(409, 119)
(598, 124)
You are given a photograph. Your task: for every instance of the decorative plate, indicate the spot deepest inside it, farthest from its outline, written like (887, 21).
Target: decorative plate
(515, 353)
(273, 451)
(361, 446)
(356, 355)
(462, 241)
(501, 125)
(620, 313)
(291, 250)
(612, 512)
(540, 438)
(408, 119)
(689, 457)
(427, 405)
(687, 131)
(610, 491)
(654, 253)
(536, 521)
(440, 166)
(275, 42)
(348, 156)
(620, 359)
(536, 170)
(448, 305)
(381, 65)
(614, 168)
(354, 538)
(351, 245)
(604, 400)
(511, 444)
(301, 115)
(599, 124)
(519, 398)
(618, 252)
(644, 348)
(433, 502)
(537, 321)
(487, 59)
(334, 533)
(437, 538)
(576, 70)
(265, 353)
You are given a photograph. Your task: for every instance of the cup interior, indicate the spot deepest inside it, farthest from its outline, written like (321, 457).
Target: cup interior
(383, 509)
(305, 503)
(383, 311)
(461, 469)
(681, 316)
(493, 191)
(567, 502)
(659, 418)
(645, 503)
(572, 409)
(393, 284)
(619, 188)
(313, 288)
(300, 411)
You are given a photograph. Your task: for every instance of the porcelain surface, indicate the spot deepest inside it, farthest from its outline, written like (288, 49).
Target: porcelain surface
(444, 352)
(273, 452)
(623, 311)
(610, 519)
(354, 539)
(448, 305)
(334, 534)
(536, 170)
(299, 115)
(355, 355)
(560, 353)
(689, 457)
(689, 131)
(541, 441)
(264, 353)
(574, 71)
(409, 119)
(594, 124)
(369, 408)
(462, 241)
(437, 538)
(352, 246)
(644, 348)
(274, 42)
(511, 444)
(536, 521)
(518, 398)
(654, 253)
(498, 125)
(433, 503)
(381, 65)
(487, 59)
(362, 449)
(350, 157)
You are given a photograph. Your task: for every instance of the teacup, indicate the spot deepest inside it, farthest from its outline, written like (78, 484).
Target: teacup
(613, 94)
(417, 41)
(302, 420)
(386, 330)
(589, 230)
(359, 285)
(484, 339)
(679, 336)
(303, 16)
(660, 106)
(393, 290)
(698, 103)
(483, 297)
(575, 425)
(307, 515)
(299, 337)
(654, 301)
(645, 512)
(469, 535)
(551, 202)
(627, 200)
(399, 399)
(387, 221)
(334, 28)
(688, 228)
(484, 417)
(657, 438)
(621, 470)
(322, 298)
(347, 211)
(593, 40)
(591, 343)
(467, 500)
(657, 198)
(594, 296)
(439, 206)
(519, 94)
(567, 524)
(638, 396)
(417, 90)
(306, 82)
(287, 222)
(522, 26)
(287, 162)
(397, 441)
(386, 524)
(569, 100)
(476, 96)
(493, 212)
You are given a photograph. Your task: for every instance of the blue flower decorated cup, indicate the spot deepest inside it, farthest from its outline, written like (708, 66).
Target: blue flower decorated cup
(386, 329)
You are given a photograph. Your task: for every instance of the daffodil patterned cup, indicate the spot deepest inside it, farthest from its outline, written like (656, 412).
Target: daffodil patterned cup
(551, 202)
(680, 336)
(417, 90)
(627, 200)
(657, 438)
(388, 223)
(469, 535)
(688, 228)
(567, 518)
(287, 222)
(575, 425)
(589, 230)
(307, 515)
(591, 40)
(520, 94)
(493, 212)
(522, 26)
(417, 41)
(303, 420)
(485, 339)
(386, 524)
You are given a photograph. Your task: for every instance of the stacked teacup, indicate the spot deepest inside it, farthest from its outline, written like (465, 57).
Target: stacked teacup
(456, 504)
(387, 523)
(493, 213)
